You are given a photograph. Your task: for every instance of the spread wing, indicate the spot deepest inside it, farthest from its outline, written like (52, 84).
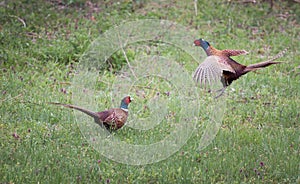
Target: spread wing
(210, 71)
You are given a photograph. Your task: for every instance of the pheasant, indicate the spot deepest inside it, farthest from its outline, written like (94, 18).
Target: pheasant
(219, 65)
(112, 119)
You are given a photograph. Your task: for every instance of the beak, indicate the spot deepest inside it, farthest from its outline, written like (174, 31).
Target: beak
(194, 44)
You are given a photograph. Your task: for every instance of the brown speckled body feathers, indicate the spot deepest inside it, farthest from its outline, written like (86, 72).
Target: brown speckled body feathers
(113, 118)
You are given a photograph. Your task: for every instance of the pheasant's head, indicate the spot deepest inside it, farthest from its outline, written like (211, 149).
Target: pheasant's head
(125, 102)
(200, 42)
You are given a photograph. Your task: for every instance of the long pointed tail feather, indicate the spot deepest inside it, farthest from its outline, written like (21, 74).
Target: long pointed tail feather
(88, 112)
(265, 63)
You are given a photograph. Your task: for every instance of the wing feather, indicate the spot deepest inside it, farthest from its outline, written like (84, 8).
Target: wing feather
(209, 72)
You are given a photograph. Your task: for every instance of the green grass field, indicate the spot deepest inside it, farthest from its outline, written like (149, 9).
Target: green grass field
(41, 43)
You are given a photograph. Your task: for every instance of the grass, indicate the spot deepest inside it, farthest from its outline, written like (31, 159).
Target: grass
(259, 140)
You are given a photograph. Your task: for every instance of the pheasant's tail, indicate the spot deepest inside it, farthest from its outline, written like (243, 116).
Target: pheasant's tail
(88, 112)
(265, 63)
(279, 55)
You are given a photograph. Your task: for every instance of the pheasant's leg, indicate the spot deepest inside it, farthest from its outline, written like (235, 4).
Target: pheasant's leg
(221, 93)
(222, 90)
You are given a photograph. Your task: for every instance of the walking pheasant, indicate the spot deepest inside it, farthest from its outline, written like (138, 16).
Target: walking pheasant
(112, 119)
(220, 66)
